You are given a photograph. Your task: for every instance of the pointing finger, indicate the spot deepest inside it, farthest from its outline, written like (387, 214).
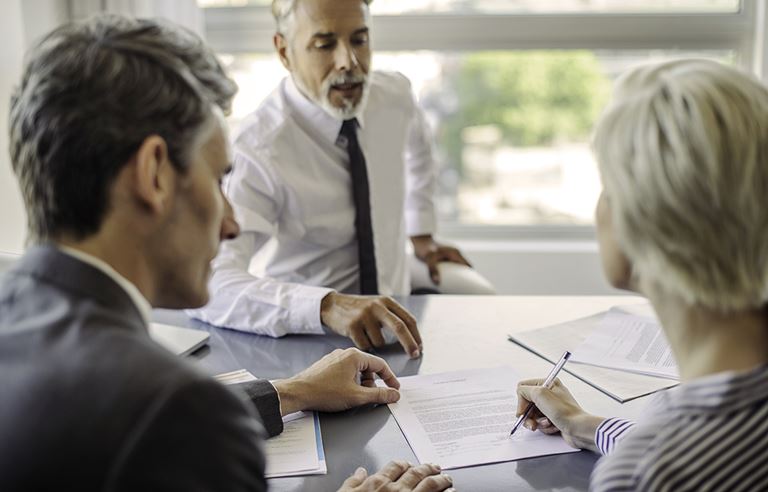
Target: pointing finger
(406, 317)
(388, 319)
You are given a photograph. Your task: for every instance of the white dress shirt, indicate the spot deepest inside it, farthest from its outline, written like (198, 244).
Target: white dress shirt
(291, 181)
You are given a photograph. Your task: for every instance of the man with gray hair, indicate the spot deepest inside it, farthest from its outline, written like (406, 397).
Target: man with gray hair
(336, 165)
(119, 146)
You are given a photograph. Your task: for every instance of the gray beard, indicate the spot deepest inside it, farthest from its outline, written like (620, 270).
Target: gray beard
(350, 110)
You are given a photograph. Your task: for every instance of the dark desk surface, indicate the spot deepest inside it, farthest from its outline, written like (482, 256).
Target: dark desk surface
(458, 333)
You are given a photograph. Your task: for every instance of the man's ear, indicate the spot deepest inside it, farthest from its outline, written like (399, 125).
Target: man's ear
(281, 46)
(155, 175)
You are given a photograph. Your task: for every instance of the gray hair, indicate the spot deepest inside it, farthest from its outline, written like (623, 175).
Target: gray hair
(282, 11)
(90, 94)
(683, 155)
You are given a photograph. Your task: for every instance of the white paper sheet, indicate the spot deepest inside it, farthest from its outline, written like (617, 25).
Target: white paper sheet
(463, 418)
(628, 342)
(298, 450)
(235, 377)
(549, 343)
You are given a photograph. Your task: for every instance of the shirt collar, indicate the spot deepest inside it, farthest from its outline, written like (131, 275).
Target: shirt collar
(145, 309)
(317, 118)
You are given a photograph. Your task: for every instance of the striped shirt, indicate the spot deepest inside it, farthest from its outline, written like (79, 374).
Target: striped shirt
(710, 434)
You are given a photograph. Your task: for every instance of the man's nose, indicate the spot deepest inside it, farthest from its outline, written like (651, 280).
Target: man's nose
(346, 59)
(230, 229)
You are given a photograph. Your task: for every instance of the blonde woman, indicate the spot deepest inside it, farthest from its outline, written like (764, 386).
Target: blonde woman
(683, 219)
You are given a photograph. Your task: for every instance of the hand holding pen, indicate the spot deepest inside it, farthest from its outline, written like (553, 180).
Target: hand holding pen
(547, 384)
(555, 410)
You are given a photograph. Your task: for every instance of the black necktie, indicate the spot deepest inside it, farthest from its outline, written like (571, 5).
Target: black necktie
(361, 195)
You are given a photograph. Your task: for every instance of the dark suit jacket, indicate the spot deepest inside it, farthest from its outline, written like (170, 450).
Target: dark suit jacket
(89, 402)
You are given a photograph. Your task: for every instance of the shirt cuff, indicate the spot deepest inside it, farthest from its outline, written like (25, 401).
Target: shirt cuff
(307, 319)
(611, 431)
(420, 222)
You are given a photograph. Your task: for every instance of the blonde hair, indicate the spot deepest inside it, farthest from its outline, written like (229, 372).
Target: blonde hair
(683, 155)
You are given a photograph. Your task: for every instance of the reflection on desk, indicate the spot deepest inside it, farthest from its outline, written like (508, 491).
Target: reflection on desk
(458, 333)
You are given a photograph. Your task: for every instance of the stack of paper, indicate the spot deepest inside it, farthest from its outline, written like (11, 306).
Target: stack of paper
(464, 418)
(628, 342)
(298, 450)
(550, 342)
(235, 377)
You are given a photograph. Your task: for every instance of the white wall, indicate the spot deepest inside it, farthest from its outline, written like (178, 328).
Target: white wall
(21, 23)
(538, 267)
(761, 40)
(40, 16)
(12, 222)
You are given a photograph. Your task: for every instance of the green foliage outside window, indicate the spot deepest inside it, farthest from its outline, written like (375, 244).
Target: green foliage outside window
(533, 98)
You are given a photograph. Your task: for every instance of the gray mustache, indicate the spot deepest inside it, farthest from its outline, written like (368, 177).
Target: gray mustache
(354, 79)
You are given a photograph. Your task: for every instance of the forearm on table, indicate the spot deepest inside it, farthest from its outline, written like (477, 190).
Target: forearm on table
(264, 306)
(291, 394)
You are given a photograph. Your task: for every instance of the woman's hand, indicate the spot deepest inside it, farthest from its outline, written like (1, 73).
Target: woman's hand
(555, 411)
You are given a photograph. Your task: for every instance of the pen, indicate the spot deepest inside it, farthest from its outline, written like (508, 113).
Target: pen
(547, 384)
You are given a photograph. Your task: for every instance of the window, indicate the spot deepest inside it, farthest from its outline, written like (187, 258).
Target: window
(521, 6)
(550, 6)
(512, 97)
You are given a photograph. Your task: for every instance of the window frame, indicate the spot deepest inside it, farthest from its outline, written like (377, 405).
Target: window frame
(250, 29)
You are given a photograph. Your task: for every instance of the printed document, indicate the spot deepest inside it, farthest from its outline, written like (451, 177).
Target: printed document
(298, 450)
(628, 342)
(550, 342)
(463, 418)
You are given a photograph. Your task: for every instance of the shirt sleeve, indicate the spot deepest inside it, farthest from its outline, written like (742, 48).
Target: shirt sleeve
(610, 432)
(263, 395)
(420, 180)
(244, 302)
(240, 300)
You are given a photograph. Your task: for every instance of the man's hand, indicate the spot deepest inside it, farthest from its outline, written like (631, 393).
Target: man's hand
(556, 411)
(399, 476)
(431, 252)
(339, 381)
(361, 319)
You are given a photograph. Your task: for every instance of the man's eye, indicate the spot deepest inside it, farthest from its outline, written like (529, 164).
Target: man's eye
(360, 41)
(325, 46)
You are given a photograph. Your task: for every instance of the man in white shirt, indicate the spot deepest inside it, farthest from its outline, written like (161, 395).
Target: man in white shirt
(336, 165)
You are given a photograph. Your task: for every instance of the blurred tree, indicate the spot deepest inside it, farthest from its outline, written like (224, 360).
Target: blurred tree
(533, 97)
